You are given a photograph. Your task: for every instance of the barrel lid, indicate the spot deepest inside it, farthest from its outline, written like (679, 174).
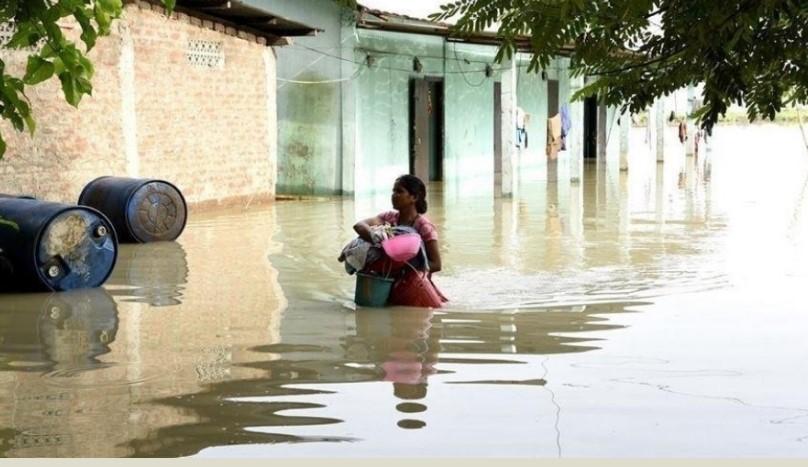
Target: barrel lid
(156, 212)
(77, 249)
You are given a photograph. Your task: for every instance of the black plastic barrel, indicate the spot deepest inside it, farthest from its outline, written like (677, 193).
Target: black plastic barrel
(54, 247)
(142, 210)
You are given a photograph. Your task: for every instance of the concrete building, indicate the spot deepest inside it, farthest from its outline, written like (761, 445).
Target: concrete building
(378, 94)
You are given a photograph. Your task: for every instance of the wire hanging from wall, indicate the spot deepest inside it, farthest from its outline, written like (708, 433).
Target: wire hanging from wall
(463, 74)
(356, 74)
(405, 70)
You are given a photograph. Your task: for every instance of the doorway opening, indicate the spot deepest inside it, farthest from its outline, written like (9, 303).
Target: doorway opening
(426, 128)
(591, 128)
(552, 98)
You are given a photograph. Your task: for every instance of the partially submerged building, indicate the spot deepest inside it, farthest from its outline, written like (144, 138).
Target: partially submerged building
(360, 97)
(188, 97)
(378, 94)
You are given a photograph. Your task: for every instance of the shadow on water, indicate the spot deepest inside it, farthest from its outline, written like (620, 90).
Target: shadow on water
(404, 347)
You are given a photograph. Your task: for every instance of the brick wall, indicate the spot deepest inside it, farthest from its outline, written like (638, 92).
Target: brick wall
(70, 147)
(209, 130)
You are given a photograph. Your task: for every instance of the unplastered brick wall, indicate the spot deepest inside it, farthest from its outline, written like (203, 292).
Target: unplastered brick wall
(208, 127)
(205, 122)
(70, 146)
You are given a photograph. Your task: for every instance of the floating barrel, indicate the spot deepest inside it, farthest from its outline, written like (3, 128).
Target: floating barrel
(142, 210)
(52, 246)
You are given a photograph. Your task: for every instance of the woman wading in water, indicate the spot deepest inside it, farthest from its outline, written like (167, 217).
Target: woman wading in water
(412, 288)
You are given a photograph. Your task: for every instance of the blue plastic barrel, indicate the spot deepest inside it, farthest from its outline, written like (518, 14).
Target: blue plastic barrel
(48, 246)
(372, 290)
(142, 210)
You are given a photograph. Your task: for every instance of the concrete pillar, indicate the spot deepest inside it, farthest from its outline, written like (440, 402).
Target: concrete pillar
(659, 197)
(625, 127)
(509, 149)
(575, 140)
(660, 124)
(270, 70)
(690, 144)
(624, 213)
(576, 210)
(348, 105)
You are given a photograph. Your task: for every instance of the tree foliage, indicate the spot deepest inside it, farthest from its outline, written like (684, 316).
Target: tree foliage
(749, 52)
(39, 31)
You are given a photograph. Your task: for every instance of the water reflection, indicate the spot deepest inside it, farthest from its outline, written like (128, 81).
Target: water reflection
(50, 342)
(63, 332)
(593, 316)
(399, 348)
(152, 273)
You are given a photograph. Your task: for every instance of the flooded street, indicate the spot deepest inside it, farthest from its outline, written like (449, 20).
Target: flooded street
(658, 312)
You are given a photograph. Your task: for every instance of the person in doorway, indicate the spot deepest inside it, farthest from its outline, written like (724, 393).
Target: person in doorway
(412, 287)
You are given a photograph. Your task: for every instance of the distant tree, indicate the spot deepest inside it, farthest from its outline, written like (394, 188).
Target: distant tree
(750, 52)
(38, 29)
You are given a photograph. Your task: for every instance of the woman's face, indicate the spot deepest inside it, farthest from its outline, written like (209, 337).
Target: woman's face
(401, 198)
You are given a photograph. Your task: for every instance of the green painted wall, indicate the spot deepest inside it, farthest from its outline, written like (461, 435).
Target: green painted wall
(309, 115)
(351, 134)
(469, 111)
(532, 94)
(382, 146)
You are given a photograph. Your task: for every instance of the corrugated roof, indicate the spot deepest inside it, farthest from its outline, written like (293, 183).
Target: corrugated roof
(369, 18)
(410, 9)
(248, 17)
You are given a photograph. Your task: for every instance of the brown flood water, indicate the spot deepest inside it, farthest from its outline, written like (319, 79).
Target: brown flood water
(656, 313)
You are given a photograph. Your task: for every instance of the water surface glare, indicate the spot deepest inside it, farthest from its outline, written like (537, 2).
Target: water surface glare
(654, 313)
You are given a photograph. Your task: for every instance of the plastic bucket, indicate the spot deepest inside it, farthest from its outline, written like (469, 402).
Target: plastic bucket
(372, 290)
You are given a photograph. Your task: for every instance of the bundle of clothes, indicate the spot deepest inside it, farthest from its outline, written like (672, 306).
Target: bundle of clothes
(413, 284)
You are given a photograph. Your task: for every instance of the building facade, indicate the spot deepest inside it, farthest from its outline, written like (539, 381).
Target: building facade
(188, 98)
(380, 94)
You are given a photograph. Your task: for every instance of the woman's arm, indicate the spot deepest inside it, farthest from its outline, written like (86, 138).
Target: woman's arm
(362, 228)
(433, 255)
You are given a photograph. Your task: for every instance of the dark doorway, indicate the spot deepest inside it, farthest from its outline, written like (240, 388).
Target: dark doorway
(497, 138)
(552, 98)
(426, 128)
(591, 128)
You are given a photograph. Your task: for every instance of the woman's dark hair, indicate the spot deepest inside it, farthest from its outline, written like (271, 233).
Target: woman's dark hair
(416, 188)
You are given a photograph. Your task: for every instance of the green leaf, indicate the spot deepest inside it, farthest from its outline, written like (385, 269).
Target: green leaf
(103, 18)
(113, 7)
(30, 123)
(5, 222)
(70, 89)
(2, 147)
(88, 32)
(38, 70)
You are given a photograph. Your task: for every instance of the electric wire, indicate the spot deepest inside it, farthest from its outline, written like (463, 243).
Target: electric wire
(485, 78)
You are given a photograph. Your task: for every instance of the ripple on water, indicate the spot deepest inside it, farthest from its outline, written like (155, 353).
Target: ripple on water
(502, 289)
(104, 375)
